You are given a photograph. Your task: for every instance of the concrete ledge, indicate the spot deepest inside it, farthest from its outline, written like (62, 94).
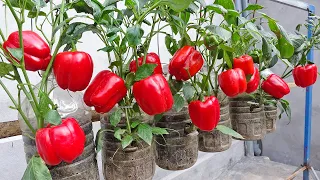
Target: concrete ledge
(208, 166)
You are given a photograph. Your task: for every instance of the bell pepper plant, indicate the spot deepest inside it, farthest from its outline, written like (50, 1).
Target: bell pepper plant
(151, 58)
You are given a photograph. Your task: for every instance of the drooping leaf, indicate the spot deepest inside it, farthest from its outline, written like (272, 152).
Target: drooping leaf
(157, 117)
(118, 133)
(227, 59)
(115, 117)
(134, 124)
(34, 14)
(53, 117)
(171, 44)
(188, 91)
(227, 4)
(178, 102)
(93, 7)
(175, 86)
(5, 68)
(126, 141)
(36, 170)
(273, 61)
(144, 71)
(266, 49)
(217, 8)
(145, 132)
(130, 79)
(220, 31)
(177, 5)
(134, 35)
(253, 7)
(159, 131)
(228, 131)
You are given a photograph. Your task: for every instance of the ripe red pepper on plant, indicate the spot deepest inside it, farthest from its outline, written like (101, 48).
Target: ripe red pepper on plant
(73, 70)
(152, 58)
(205, 115)
(253, 84)
(153, 94)
(245, 63)
(64, 142)
(305, 76)
(184, 60)
(105, 91)
(233, 82)
(275, 86)
(36, 50)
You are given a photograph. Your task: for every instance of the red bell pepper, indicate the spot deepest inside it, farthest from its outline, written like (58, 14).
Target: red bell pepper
(64, 142)
(105, 91)
(184, 60)
(245, 63)
(153, 94)
(73, 70)
(275, 86)
(205, 115)
(305, 76)
(36, 50)
(254, 81)
(233, 82)
(152, 58)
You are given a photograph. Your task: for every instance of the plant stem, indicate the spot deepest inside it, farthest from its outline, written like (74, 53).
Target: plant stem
(148, 10)
(2, 35)
(128, 122)
(18, 107)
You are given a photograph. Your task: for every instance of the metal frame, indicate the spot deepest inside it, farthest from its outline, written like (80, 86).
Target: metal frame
(308, 101)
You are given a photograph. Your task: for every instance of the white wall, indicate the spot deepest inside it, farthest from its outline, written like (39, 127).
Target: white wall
(91, 43)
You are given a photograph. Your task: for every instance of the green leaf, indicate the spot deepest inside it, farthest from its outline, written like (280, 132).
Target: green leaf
(287, 63)
(134, 124)
(171, 44)
(36, 170)
(98, 140)
(118, 133)
(285, 106)
(130, 79)
(134, 35)
(5, 68)
(266, 49)
(273, 61)
(228, 131)
(175, 86)
(45, 103)
(126, 141)
(53, 117)
(178, 102)
(136, 108)
(107, 49)
(159, 131)
(19, 4)
(228, 4)
(217, 8)
(220, 31)
(93, 7)
(177, 5)
(145, 133)
(227, 59)
(188, 91)
(34, 14)
(115, 117)
(157, 117)
(144, 71)
(16, 53)
(253, 7)
(115, 64)
(286, 49)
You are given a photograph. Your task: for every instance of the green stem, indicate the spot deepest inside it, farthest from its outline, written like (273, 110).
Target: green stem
(193, 83)
(2, 35)
(205, 82)
(142, 17)
(148, 40)
(18, 107)
(128, 122)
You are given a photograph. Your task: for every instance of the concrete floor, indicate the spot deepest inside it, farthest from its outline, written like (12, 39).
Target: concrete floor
(259, 168)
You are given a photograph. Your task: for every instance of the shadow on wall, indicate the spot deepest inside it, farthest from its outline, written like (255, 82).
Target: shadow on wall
(286, 143)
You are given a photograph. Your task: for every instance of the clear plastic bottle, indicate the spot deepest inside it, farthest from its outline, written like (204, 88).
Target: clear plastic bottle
(70, 104)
